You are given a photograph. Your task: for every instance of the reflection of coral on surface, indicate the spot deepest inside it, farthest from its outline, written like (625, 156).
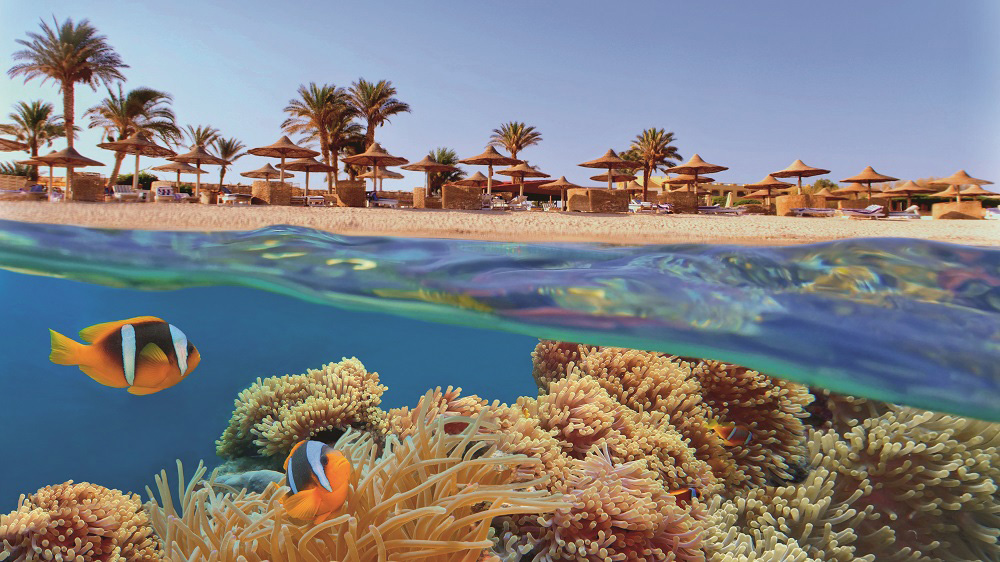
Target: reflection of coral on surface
(277, 412)
(430, 497)
(82, 522)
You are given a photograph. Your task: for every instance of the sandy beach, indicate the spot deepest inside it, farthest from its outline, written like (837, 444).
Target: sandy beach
(503, 226)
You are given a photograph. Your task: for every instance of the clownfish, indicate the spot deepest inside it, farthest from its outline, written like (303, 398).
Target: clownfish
(143, 353)
(685, 494)
(731, 433)
(318, 477)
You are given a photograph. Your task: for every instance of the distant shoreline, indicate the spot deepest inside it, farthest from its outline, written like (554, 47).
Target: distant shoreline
(502, 226)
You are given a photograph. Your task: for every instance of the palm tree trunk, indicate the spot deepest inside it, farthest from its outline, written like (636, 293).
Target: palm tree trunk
(336, 170)
(119, 158)
(370, 134)
(645, 182)
(222, 175)
(34, 152)
(68, 103)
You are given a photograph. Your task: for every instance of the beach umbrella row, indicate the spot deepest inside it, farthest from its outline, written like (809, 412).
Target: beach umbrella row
(428, 167)
(489, 158)
(179, 168)
(65, 158)
(139, 145)
(521, 171)
(283, 148)
(375, 156)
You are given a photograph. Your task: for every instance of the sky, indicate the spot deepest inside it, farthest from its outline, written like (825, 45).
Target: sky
(910, 87)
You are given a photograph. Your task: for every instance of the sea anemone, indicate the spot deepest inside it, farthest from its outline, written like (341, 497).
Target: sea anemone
(277, 412)
(82, 522)
(403, 421)
(431, 496)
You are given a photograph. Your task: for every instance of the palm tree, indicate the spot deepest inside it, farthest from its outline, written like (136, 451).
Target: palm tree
(448, 156)
(374, 102)
(654, 148)
(202, 135)
(343, 134)
(353, 145)
(515, 137)
(142, 110)
(230, 150)
(35, 125)
(318, 108)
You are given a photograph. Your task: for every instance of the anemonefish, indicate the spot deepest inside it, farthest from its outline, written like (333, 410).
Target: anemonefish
(685, 494)
(318, 477)
(732, 434)
(143, 353)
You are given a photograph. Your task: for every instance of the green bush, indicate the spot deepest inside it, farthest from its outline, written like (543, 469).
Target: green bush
(747, 202)
(185, 188)
(719, 200)
(145, 179)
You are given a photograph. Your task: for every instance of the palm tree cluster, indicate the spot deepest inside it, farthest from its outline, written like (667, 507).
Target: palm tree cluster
(34, 124)
(655, 150)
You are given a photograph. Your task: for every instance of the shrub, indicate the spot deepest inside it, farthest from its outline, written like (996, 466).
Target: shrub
(145, 179)
(719, 200)
(748, 202)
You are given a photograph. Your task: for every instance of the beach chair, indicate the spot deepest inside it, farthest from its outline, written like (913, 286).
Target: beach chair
(992, 213)
(814, 212)
(227, 197)
(665, 207)
(869, 212)
(125, 194)
(719, 210)
(911, 212)
(520, 203)
(498, 202)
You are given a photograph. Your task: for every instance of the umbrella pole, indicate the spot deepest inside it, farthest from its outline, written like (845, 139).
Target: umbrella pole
(50, 183)
(609, 179)
(178, 184)
(522, 187)
(281, 174)
(307, 188)
(197, 181)
(800, 186)
(489, 180)
(135, 176)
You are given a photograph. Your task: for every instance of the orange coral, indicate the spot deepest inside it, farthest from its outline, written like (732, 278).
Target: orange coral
(82, 522)
(402, 421)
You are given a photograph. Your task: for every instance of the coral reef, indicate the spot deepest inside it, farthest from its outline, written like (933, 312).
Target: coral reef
(431, 496)
(277, 412)
(82, 522)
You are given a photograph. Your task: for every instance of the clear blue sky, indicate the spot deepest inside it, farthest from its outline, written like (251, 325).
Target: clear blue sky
(910, 87)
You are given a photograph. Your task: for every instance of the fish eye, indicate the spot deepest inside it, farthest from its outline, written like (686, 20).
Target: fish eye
(324, 460)
(190, 347)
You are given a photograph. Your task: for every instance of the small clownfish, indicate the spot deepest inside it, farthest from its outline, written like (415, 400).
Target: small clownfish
(318, 477)
(685, 494)
(143, 353)
(732, 434)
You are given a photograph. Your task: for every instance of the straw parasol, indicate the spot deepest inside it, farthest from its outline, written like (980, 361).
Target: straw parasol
(429, 167)
(284, 148)
(976, 191)
(687, 179)
(799, 170)
(611, 161)
(766, 185)
(830, 196)
(521, 171)
(65, 158)
(180, 168)
(611, 176)
(868, 176)
(694, 167)
(198, 156)
(851, 188)
(475, 180)
(562, 185)
(307, 165)
(956, 180)
(375, 156)
(7, 145)
(907, 190)
(140, 145)
(267, 173)
(381, 174)
(489, 158)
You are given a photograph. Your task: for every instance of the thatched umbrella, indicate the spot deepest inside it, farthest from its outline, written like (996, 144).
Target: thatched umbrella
(140, 145)
(198, 156)
(907, 190)
(381, 174)
(696, 166)
(267, 173)
(611, 161)
(489, 158)
(65, 158)
(799, 170)
(562, 185)
(830, 196)
(7, 145)
(375, 156)
(767, 184)
(307, 165)
(612, 176)
(976, 191)
(957, 180)
(521, 171)
(180, 168)
(687, 179)
(868, 176)
(850, 189)
(428, 167)
(284, 148)
(475, 180)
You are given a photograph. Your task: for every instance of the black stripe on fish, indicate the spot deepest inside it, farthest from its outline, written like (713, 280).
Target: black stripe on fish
(157, 332)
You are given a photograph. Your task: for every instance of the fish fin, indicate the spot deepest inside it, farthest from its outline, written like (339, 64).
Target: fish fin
(64, 350)
(114, 381)
(302, 506)
(97, 331)
(153, 354)
(142, 390)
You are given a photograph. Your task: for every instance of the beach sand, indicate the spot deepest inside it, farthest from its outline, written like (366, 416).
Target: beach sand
(502, 226)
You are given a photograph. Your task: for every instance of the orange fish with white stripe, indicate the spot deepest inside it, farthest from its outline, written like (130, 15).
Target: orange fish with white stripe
(732, 434)
(318, 477)
(144, 354)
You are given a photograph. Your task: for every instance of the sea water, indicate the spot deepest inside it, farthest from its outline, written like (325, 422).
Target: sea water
(904, 321)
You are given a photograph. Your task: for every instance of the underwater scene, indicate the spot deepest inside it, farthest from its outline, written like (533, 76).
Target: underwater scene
(290, 394)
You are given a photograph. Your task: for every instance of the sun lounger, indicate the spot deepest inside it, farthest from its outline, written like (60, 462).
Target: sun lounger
(520, 203)
(814, 212)
(499, 203)
(869, 212)
(992, 213)
(665, 207)
(125, 194)
(227, 197)
(719, 210)
(318, 200)
(911, 212)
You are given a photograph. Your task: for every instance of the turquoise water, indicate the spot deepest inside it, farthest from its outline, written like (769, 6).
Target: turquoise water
(903, 321)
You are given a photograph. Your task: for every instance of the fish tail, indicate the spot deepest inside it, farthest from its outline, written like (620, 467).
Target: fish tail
(64, 350)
